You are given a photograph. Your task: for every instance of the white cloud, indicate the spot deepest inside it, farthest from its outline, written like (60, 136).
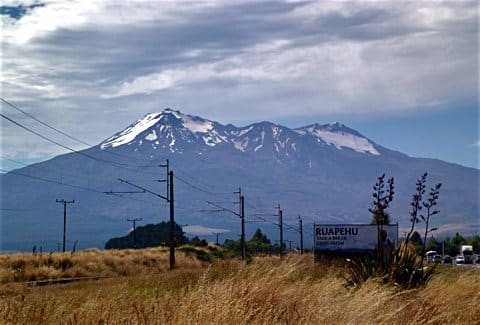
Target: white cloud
(46, 19)
(203, 231)
(117, 60)
(476, 144)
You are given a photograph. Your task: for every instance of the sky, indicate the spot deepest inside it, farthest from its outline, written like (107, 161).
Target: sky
(404, 74)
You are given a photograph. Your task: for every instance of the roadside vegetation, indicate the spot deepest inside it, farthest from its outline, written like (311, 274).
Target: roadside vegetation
(218, 290)
(401, 267)
(212, 285)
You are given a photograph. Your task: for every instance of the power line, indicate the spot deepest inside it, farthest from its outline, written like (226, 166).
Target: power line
(265, 220)
(66, 184)
(223, 208)
(64, 133)
(112, 163)
(44, 123)
(199, 188)
(58, 182)
(14, 161)
(224, 194)
(170, 200)
(36, 166)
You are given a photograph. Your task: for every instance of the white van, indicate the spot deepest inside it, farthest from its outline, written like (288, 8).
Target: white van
(430, 256)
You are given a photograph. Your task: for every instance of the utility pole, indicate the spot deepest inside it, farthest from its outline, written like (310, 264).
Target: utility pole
(242, 217)
(168, 199)
(64, 218)
(217, 234)
(300, 229)
(166, 165)
(172, 220)
(241, 211)
(134, 230)
(280, 224)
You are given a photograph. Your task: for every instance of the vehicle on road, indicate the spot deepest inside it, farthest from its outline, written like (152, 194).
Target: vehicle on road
(430, 255)
(447, 259)
(437, 259)
(478, 259)
(459, 260)
(467, 253)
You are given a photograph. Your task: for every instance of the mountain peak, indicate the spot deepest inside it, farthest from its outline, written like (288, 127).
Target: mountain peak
(340, 136)
(169, 125)
(175, 131)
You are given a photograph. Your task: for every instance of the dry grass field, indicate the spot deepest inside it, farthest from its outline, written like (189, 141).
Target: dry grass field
(268, 290)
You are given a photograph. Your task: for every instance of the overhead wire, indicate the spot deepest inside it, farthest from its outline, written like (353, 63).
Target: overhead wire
(64, 133)
(109, 162)
(62, 173)
(217, 194)
(113, 163)
(67, 184)
(197, 180)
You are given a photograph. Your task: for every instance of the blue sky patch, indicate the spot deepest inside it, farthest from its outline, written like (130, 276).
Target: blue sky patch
(17, 12)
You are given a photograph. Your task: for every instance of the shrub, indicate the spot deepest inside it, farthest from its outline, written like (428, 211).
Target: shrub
(200, 254)
(64, 263)
(403, 269)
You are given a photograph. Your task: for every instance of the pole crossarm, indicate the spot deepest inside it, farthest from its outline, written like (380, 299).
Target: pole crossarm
(144, 189)
(258, 216)
(212, 210)
(118, 193)
(223, 208)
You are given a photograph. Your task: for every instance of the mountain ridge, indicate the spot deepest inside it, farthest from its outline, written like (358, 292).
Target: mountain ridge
(325, 179)
(214, 133)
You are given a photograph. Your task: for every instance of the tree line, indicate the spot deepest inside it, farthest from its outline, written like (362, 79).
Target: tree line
(448, 246)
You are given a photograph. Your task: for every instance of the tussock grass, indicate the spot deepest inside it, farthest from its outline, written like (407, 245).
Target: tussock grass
(266, 290)
(93, 262)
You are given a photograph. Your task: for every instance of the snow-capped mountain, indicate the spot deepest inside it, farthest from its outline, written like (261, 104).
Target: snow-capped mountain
(323, 172)
(176, 132)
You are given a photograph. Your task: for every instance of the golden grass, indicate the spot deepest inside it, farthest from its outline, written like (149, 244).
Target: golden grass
(267, 290)
(93, 262)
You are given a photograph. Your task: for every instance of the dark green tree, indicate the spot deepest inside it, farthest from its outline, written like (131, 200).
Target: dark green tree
(148, 236)
(259, 243)
(416, 239)
(432, 245)
(449, 247)
(458, 240)
(195, 241)
(232, 245)
(417, 242)
(259, 237)
(475, 242)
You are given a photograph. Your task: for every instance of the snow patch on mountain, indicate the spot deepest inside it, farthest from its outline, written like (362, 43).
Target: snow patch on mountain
(130, 133)
(241, 145)
(152, 136)
(240, 133)
(195, 125)
(345, 140)
(340, 136)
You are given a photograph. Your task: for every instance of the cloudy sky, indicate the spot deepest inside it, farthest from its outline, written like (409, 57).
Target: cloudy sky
(405, 74)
